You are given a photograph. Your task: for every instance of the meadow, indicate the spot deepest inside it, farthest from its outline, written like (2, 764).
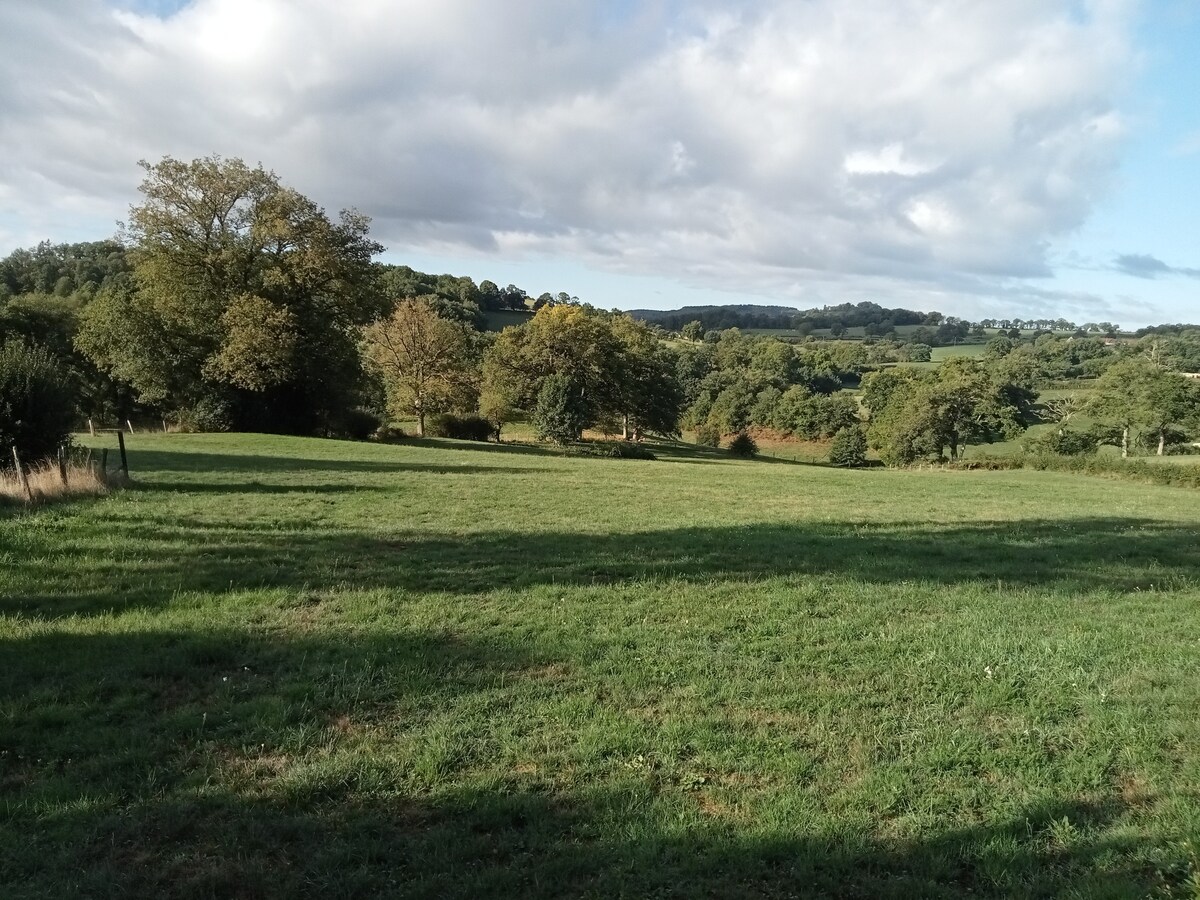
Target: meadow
(281, 667)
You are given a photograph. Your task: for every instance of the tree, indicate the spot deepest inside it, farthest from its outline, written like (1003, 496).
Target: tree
(1135, 392)
(561, 412)
(426, 362)
(618, 366)
(923, 416)
(849, 447)
(244, 289)
(693, 331)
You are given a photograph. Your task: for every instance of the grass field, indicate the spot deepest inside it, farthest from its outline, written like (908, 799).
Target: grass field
(499, 319)
(283, 667)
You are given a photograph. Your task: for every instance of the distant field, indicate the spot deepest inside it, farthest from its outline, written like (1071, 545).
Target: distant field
(282, 667)
(499, 319)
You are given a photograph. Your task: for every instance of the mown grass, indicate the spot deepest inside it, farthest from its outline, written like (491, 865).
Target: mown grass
(280, 667)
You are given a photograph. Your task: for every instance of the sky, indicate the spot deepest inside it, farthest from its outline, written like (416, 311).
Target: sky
(986, 158)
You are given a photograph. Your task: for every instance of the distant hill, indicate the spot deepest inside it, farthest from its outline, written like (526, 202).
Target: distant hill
(848, 315)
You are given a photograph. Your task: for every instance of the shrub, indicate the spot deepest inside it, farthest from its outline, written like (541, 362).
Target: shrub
(849, 447)
(1064, 443)
(210, 414)
(388, 434)
(708, 435)
(461, 428)
(743, 445)
(613, 450)
(358, 424)
(37, 408)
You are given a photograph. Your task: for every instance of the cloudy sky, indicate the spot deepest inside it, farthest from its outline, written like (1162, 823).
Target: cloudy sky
(982, 157)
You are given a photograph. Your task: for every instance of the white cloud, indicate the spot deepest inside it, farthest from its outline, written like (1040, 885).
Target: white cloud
(906, 145)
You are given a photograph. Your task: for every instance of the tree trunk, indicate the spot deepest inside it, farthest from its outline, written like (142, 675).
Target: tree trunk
(625, 427)
(1162, 441)
(420, 423)
(1125, 442)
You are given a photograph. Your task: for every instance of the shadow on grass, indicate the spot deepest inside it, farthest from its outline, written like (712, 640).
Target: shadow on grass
(228, 764)
(1070, 555)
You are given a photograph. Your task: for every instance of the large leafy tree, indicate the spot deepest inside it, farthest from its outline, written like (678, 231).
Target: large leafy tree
(244, 288)
(616, 367)
(428, 363)
(962, 403)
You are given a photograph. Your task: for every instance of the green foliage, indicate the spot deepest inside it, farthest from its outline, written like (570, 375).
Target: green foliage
(1065, 442)
(708, 435)
(1171, 437)
(462, 428)
(1185, 475)
(78, 271)
(849, 447)
(618, 367)
(915, 353)
(244, 289)
(1000, 346)
(211, 413)
(562, 411)
(358, 424)
(427, 363)
(1138, 393)
(37, 408)
(613, 450)
(742, 444)
(923, 416)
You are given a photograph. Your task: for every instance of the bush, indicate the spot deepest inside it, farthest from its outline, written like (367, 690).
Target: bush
(708, 435)
(612, 450)
(388, 434)
(1064, 443)
(210, 414)
(37, 408)
(849, 447)
(461, 428)
(743, 445)
(358, 424)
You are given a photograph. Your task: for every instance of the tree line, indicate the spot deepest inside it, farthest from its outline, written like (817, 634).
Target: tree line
(231, 301)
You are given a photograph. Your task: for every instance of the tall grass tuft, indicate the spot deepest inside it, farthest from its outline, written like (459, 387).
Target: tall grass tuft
(46, 484)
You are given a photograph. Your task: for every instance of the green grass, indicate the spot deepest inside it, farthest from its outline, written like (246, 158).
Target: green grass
(283, 667)
(499, 319)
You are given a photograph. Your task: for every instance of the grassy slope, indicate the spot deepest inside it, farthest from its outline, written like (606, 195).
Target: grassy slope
(285, 667)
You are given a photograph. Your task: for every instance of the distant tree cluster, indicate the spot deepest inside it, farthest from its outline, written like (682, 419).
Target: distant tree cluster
(917, 415)
(879, 319)
(738, 381)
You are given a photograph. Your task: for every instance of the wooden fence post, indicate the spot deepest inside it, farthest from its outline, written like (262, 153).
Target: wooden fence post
(21, 475)
(124, 459)
(62, 464)
(130, 426)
